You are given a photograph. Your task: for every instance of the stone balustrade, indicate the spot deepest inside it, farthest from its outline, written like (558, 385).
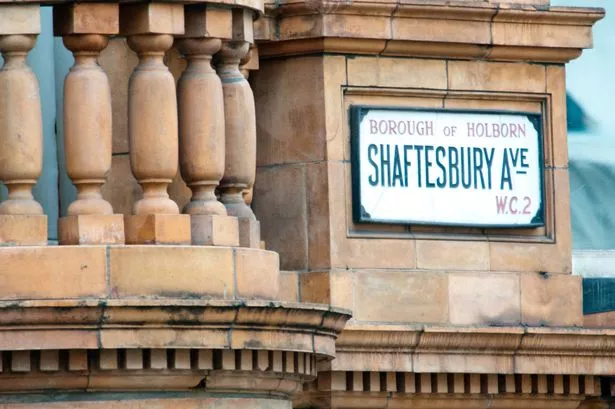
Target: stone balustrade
(161, 298)
(204, 126)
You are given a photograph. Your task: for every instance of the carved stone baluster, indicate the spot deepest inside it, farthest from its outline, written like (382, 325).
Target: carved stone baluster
(22, 221)
(87, 123)
(240, 121)
(247, 64)
(201, 125)
(152, 123)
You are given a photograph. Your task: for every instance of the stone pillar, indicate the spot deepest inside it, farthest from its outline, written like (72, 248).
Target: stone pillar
(152, 123)
(240, 125)
(201, 125)
(21, 137)
(87, 123)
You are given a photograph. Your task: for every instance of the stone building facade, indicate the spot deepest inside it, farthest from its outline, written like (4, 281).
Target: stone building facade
(209, 257)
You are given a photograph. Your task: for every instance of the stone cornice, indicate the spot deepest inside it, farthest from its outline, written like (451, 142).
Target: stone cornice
(504, 350)
(169, 323)
(433, 29)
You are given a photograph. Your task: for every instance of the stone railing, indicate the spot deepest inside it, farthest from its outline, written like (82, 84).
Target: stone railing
(206, 123)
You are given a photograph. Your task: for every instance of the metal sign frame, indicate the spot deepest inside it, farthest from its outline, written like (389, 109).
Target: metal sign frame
(358, 112)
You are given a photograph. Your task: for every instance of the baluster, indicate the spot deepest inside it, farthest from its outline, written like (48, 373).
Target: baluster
(22, 221)
(201, 125)
(240, 126)
(249, 63)
(152, 123)
(85, 28)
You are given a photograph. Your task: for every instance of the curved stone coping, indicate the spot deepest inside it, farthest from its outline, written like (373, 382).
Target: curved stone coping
(434, 29)
(256, 5)
(175, 323)
(503, 350)
(112, 272)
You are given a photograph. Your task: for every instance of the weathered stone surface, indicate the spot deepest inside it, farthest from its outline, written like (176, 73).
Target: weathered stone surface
(151, 18)
(424, 297)
(138, 271)
(551, 300)
(23, 230)
(204, 21)
(52, 272)
(157, 229)
(20, 19)
(289, 286)
(249, 233)
(257, 274)
(484, 299)
(91, 229)
(214, 230)
(452, 255)
(86, 18)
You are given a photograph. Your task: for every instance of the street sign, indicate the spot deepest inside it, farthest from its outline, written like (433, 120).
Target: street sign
(446, 167)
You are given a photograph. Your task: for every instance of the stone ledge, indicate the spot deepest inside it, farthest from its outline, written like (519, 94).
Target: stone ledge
(112, 272)
(176, 323)
(502, 350)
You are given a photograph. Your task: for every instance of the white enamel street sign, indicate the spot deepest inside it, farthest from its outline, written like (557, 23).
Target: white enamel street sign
(446, 167)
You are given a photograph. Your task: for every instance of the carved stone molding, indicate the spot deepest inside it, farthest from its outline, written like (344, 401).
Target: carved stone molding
(170, 323)
(254, 346)
(501, 350)
(357, 389)
(262, 371)
(436, 29)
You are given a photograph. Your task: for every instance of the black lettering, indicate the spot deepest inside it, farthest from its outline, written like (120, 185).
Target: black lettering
(428, 164)
(397, 168)
(372, 150)
(478, 167)
(440, 155)
(505, 172)
(466, 163)
(406, 163)
(453, 165)
(524, 163)
(419, 152)
(489, 160)
(385, 163)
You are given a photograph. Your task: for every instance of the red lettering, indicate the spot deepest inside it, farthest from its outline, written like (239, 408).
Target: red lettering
(500, 202)
(373, 127)
(496, 130)
(504, 130)
(392, 127)
(471, 131)
(429, 128)
(512, 209)
(528, 203)
(380, 125)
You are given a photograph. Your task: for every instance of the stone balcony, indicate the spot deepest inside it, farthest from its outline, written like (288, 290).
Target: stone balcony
(162, 298)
